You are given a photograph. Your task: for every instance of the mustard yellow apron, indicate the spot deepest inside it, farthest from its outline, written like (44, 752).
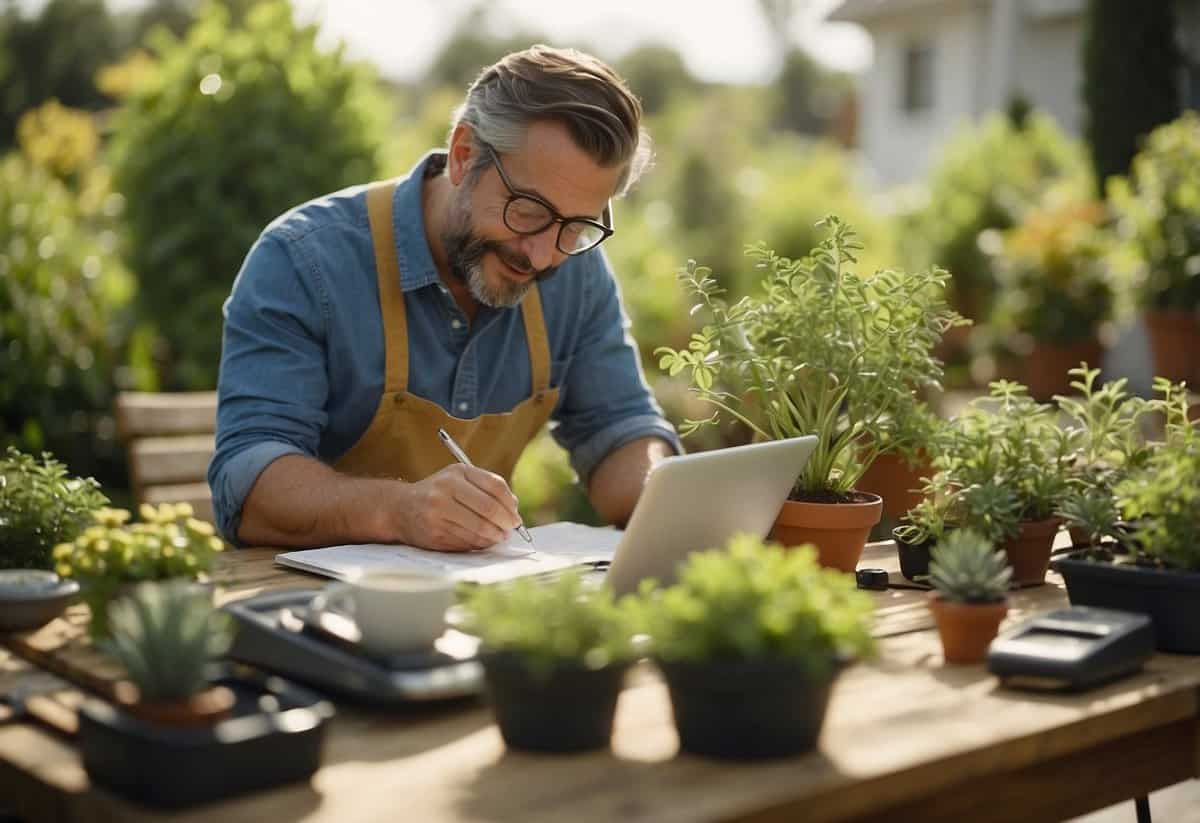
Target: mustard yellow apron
(402, 440)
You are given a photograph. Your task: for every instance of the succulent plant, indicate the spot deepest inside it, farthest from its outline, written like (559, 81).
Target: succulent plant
(966, 568)
(165, 635)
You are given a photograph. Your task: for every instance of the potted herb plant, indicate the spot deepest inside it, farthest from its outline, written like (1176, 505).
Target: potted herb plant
(1144, 555)
(970, 594)
(824, 351)
(109, 556)
(184, 729)
(41, 505)
(908, 443)
(1055, 292)
(1158, 215)
(1003, 472)
(555, 657)
(750, 640)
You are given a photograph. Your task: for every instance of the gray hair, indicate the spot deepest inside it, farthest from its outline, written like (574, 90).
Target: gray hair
(543, 83)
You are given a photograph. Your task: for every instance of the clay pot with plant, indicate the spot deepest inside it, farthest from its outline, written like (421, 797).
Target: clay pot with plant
(1003, 472)
(1055, 293)
(970, 594)
(824, 351)
(751, 640)
(1158, 217)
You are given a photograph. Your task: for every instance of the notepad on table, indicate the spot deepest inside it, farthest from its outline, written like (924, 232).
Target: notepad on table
(558, 546)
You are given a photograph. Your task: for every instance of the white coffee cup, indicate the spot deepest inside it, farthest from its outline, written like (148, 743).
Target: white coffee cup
(395, 612)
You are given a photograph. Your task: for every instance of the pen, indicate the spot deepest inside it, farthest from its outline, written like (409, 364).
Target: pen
(461, 457)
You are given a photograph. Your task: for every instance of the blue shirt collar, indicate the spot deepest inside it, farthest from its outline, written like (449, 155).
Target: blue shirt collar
(412, 246)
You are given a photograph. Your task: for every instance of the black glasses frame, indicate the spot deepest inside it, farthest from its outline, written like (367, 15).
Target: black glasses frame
(515, 194)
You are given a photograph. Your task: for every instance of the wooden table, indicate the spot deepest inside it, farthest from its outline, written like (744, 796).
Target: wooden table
(906, 739)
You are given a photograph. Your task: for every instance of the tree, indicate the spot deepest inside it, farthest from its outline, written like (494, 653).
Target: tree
(1130, 65)
(657, 75)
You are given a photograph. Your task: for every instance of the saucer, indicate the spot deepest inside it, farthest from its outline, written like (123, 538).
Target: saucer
(30, 598)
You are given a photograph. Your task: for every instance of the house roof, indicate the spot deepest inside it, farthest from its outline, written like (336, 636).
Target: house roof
(863, 11)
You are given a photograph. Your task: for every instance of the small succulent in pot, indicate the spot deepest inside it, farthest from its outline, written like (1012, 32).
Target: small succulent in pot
(970, 581)
(109, 555)
(166, 636)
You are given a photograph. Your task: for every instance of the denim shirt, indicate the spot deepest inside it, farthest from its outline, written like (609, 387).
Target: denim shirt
(302, 360)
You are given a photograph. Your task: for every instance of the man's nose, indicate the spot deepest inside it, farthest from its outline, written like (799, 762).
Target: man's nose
(541, 248)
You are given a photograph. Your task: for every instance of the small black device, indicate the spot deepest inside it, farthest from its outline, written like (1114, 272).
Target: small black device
(873, 579)
(1072, 649)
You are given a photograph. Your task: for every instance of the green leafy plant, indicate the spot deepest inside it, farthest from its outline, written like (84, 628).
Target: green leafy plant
(966, 568)
(1158, 211)
(1004, 461)
(200, 185)
(754, 601)
(1053, 276)
(1162, 499)
(109, 555)
(41, 505)
(552, 625)
(822, 351)
(165, 635)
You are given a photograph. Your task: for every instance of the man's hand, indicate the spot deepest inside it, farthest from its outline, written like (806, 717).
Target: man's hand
(459, 508)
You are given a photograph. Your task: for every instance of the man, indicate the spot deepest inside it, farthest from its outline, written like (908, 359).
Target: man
(469, 296)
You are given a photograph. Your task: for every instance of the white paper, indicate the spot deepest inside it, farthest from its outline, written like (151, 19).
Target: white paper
(555, 546)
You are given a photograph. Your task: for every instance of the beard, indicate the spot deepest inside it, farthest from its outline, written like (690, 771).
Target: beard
(465, 250)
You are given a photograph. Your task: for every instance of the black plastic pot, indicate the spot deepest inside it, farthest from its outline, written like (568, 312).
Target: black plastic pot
(569, 710)
(174, 767)
(738, 709)
(1170, 598)
(914, 557)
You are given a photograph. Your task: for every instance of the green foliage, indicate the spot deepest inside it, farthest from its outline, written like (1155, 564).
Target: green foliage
(1163, 499)
(1158, 210)
(41, 505)
(473, 45)
(823, 351)
(165, 635)
(237, 125)
(657, 74)
(808, 96)
(999, 466)
(63, 319)
(755, 601)
(966, 568)
(1131, 67)
(551, 625)
(168, 543)
(1054, 280)
(988, 176)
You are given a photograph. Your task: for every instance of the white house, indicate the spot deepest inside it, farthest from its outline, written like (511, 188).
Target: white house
(939, 63)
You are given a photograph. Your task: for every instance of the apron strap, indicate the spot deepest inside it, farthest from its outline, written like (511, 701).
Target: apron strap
(538, 340)
(391, 296)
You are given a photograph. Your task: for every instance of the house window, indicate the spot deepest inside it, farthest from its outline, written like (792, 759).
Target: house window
(917, 92)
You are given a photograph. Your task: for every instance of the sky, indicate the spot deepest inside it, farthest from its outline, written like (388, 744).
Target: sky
(725, 40)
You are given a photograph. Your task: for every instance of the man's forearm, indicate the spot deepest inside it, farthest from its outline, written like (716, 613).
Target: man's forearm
(298, 501)
(616, 484)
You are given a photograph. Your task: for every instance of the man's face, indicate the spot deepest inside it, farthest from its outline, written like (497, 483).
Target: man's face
(498, 265)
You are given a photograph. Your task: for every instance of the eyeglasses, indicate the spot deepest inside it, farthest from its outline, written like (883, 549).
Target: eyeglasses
(527, 214)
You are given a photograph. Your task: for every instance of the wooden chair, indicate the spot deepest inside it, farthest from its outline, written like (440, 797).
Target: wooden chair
(169, 440)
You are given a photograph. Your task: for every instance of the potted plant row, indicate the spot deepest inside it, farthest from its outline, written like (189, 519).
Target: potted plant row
(825, 351)
(1143, 554)
(110, 556)
(181, 730)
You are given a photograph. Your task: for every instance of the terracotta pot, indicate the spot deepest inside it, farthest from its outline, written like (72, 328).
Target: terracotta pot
(1044, 370)
(890, 477)
(966, 629)
(1174, 339)
(1029, 552)
(205, 708)
(838, 530)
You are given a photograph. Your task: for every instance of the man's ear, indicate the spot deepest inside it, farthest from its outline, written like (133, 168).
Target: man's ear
(462, 153)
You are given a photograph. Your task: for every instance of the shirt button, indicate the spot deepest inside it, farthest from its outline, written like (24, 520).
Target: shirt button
(462, 406)
(456, 323)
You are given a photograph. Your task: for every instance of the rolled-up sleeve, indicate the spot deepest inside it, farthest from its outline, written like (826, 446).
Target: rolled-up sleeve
(273, 383)
(606, 402)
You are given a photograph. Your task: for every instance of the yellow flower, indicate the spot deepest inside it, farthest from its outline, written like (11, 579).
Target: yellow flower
(184, 510)
(148, 513)
(200, 527)
(63, 569)
(62, 551)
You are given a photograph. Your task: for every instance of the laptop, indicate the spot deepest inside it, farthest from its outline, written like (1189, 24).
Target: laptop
(698, 501)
